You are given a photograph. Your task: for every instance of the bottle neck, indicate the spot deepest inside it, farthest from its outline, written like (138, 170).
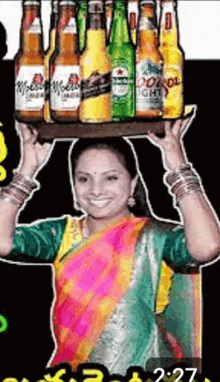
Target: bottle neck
(67, 29)
(96, 15)
(31, 30)
(120, 30)
(169, 25)
(53, 27)
(96, 35)
(147, 28)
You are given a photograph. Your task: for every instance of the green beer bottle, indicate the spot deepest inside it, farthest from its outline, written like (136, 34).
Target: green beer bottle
(122, 53)
(81, 21)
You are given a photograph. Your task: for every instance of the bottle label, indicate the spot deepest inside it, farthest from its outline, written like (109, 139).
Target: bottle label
(35, 26)
(146, 23)
(29, 88)
(149, 83)
(120, 80)
(173, 89)
(96, 84)
(70, 27)
(65, 88)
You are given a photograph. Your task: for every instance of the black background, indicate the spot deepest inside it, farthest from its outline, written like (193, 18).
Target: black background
(26, 291)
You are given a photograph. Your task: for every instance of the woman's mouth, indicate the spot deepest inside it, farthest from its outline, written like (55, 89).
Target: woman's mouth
(99, 203)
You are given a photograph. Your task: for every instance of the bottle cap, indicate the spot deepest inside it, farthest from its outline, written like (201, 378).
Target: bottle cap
(96, 6)
(31, 2)
(67, 2)
(151, 2)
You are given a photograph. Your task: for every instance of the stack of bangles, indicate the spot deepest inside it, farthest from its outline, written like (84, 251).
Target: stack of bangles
(182, 181)
(19, 189)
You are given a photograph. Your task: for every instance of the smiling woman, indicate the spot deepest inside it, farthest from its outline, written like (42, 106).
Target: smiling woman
(108, 262)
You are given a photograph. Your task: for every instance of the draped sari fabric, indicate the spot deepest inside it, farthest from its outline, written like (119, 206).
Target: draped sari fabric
(89, 283)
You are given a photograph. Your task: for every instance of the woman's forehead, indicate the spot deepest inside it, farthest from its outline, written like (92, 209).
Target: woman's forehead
(99, 160)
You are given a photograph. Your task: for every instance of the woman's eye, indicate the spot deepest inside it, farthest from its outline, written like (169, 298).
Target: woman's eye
(112, 177)
(82, 179)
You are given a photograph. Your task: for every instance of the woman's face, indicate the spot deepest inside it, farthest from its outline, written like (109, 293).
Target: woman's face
(102, 184)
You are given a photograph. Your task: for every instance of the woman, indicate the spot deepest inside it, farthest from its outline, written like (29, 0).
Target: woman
(107, 263)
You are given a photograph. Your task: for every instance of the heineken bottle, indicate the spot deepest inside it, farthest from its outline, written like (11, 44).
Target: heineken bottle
(81, 21)
(122, 53)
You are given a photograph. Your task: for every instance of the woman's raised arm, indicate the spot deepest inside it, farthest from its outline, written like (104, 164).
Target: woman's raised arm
(13, 196)
(201, 225)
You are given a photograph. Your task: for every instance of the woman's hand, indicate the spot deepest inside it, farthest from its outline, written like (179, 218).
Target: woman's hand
(34, 154)
(171, 146)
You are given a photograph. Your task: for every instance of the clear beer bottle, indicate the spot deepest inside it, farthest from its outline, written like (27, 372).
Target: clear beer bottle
(122, 53)
(95, 68)
(64, 66)
(48, 54)
(29, 66)
(173, 57)
(149, 64)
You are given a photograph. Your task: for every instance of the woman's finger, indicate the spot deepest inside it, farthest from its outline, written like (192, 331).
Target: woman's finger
(177, 128)
(167, 128)
(185, 125)
(154, 139)
(27, 132)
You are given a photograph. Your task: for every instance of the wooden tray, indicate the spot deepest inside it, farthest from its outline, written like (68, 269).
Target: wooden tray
(50, 131)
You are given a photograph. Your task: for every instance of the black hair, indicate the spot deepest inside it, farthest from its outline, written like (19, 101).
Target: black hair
(125, 153)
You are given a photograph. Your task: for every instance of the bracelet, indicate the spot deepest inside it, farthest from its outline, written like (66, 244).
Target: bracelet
(19, 189)
(182, 181)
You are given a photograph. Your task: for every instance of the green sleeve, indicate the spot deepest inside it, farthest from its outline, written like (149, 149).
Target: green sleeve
(38, 241)
(175, 251)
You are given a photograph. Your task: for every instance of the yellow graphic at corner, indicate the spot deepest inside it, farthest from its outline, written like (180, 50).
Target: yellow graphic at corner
(3, 154)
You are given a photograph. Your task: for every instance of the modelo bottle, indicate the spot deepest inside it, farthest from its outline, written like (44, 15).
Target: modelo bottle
(122, 53)
(95, 68)
(173, 57)
(149, 64)
(29, 66)
(64, 67)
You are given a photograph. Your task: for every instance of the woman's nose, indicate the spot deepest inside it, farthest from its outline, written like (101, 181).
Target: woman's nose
(96, 188)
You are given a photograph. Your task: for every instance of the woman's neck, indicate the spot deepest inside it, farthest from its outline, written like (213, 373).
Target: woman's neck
(94, 225)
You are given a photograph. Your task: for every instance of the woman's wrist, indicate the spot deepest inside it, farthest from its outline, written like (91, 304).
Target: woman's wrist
(182, 181)
(19, 189)
(27, 172)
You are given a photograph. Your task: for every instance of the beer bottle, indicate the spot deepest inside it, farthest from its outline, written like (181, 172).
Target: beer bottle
(173, 57)
(132, 24)
(29, 66)
(64, 67)
(95, 68)
(122, 53)
(108, 15)
(82, 15)
(48, 54)
(149, 64)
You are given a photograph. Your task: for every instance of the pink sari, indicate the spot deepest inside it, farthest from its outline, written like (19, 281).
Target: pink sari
(89, 283)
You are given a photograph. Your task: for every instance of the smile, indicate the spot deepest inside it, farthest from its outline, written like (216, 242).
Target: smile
(99, 203)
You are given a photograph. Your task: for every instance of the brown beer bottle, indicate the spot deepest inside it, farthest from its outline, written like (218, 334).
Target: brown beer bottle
(149, 64)
(173, 56)
(95, 68)
(48, 54)
(64, 67)
(29, 66)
